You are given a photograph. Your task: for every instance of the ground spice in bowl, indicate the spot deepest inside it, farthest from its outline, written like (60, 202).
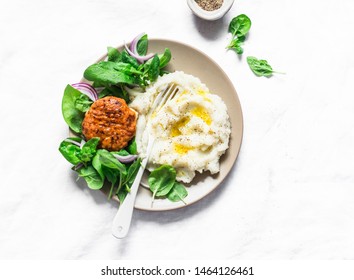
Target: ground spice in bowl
(209, 5)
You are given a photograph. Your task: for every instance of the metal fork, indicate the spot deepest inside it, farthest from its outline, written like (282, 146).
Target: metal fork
(122, 220)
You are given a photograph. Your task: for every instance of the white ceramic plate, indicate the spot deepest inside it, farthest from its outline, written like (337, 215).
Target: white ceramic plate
(192, 61)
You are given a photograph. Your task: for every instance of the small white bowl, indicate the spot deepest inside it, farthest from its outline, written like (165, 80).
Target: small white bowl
(210, 15)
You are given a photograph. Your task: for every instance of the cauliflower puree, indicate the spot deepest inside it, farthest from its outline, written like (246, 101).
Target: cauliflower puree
(191, 131)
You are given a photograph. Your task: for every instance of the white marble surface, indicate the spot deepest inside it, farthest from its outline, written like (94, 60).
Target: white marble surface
(289, 196)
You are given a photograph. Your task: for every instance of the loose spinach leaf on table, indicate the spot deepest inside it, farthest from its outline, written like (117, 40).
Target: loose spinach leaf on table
(239, 27)
(236, 44)
(72, 116)
(92, 177)
(260, 67)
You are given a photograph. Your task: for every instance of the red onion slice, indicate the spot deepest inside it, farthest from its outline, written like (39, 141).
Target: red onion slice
(138, 57)
(134, 44)
(133, 51)
(86, 89)
(125, 159)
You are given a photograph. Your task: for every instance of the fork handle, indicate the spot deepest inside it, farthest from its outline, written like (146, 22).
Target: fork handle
(122, 220)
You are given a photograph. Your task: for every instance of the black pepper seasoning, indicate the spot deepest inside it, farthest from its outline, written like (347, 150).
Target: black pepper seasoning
(209, 5)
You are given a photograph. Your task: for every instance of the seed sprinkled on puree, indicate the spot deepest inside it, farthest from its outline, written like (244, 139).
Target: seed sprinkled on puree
(209, 5)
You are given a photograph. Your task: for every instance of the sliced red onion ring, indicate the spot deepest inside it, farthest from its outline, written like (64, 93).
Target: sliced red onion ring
(133, 50)
(72, 142)
(126, 159)
(138, 57)
(86, 89)
(134, 44)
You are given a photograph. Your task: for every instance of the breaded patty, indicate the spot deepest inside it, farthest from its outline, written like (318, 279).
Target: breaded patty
(111, 120)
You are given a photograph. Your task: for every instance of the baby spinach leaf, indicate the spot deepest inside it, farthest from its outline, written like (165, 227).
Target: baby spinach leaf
(109, 161)
(161, 180)
(83, 103)
(142, 45)
(240, 25)
(177, 193)
(113, 54)
(132, 148)
(165, 58)
(122, 193)
(92, 177)
(111, 72)
(125, 57)
(132, 171)
(112, 169)
(236, 44)
(70, 151)
(117, 91)
(72, 116)
(154, 69)
(96, 163)
(88, 150)
(260, 67)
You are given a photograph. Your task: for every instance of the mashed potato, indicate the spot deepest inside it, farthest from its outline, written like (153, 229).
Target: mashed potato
(191, 131)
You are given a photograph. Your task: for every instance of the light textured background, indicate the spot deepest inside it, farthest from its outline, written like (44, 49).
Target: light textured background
(289, 196)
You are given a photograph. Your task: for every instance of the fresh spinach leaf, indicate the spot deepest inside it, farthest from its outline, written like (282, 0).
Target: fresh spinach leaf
(154, 69)
(125, 57)
(132, 171)
(240, 25)
(109, 161)
(70, 151)
(161, 180)
(113, 54)
(92, 177)
(88, 150)
(177, 193)
(122, 194)
(236, 44)
(111, 73)
(96, 163)
(83, 103)
(142, 45)
(132, 147)
(112, 169)
(72, 116)
(165, 58)
(261, 67)
(117, 91)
